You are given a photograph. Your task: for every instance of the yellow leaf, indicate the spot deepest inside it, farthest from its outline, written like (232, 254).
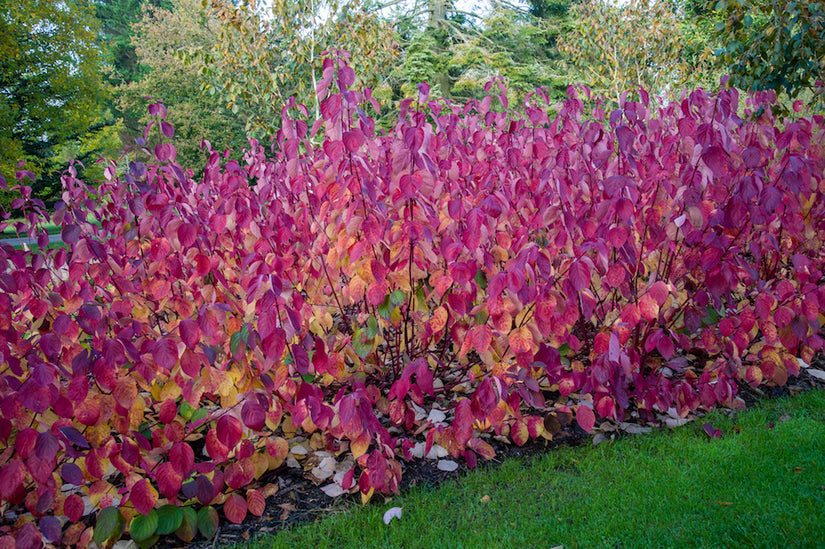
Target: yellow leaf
(365, 498)
(360, 445)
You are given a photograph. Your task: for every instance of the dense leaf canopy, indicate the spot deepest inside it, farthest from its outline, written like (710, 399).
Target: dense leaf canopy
(51, 89)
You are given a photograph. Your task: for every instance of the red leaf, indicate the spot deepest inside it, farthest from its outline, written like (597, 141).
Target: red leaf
(579, 275)
(73, 508)
(482, 448)
(190, 333)
(125, 392)
(585, 418)
(253, 415)
(484, 399)
(410, 185)
(519, 433)
(28, 537)
(169, 480)
(376, 292)
(87, 412)
(567, 384)
(665, 346)
(274, 344)
(216, 450)
(165, 353)
(240, 473)
(143, 497)
(11, 478)
(235, 508)
(183, 458)
(168, 411)
(482, 337)
(46, 446)
(648, 308)
(202, 265)
(606, 407)
(659, 292)
(229, 431)
(331, 107)
(631, 314)
(256, 503)
(353, 140)
(463, 422)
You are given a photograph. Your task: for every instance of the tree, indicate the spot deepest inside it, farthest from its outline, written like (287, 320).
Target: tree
(774, 45)
(51, 88)
(162, 39)
(457, 52)
(257, 62)
(615, 49)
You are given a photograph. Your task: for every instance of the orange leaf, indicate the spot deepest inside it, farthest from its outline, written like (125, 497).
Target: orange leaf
(521, 340)
(255, 502)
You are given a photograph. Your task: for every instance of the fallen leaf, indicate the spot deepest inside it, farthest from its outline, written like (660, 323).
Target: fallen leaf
(724, 503)
(486, 498)
(436, 416)
(269, 490)
(818, 374)
(333, 490)
(712, 431)
(245, 535)
(393, 512)
(287, 508)
(797, 469)
(447, 465)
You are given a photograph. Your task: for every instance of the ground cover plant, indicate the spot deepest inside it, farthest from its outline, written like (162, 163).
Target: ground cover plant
(355, 300)
(759, 484)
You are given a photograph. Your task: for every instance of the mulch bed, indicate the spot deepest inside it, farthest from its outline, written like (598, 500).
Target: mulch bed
(299, 501)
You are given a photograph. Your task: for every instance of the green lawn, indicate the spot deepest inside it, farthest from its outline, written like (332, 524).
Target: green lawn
(761, 485)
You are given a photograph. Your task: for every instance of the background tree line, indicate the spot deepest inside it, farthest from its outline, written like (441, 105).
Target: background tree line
(76, 76)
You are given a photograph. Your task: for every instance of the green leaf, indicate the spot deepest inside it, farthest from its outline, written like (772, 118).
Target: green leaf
(207, 521)
(148, 542)
(169, 519)
(199, 414)
(245, 333)
(372, 327)
(361, 345)
(189, 525)
(234, 341)
(385, 309)
(481, 279)
(109, 525)
(186, 410)
(144, 526)
(398, 297)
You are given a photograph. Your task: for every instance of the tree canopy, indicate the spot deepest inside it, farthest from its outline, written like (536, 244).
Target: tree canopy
(51, 88)
(772, 44)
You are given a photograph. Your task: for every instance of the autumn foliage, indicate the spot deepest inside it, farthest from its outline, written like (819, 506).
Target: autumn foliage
(356, 300)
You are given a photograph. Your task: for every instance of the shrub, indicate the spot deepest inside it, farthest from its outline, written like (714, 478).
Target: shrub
(361, 299)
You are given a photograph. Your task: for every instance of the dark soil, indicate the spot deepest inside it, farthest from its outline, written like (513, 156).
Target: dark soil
(299, 501)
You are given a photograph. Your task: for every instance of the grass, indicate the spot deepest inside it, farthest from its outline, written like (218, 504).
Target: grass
(757, 486)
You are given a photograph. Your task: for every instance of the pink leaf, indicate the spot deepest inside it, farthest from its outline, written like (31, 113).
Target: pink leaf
(165, 353)
(579, 275)
(235, 508)
(585, 418)
(229, 431)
